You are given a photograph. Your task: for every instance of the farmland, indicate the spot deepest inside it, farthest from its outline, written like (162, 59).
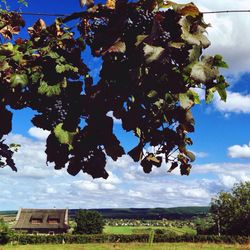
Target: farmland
(143, 230)
(132, 246)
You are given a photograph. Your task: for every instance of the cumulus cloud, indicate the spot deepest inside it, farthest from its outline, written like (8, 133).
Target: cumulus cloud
(238, 151)
(228, 34)
(200, 154)
(236, 103)
(38, 185)
(39, 133)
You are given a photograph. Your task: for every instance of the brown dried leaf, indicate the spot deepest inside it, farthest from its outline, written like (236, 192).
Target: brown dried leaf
(88, 3)
(118, 47)
(111, 4)
(188, 9)
(8, 31)
(37, 27)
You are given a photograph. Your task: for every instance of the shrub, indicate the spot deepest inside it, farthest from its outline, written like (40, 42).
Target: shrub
(112, 238)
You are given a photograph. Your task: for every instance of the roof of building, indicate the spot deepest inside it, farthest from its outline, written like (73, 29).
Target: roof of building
(41, 219)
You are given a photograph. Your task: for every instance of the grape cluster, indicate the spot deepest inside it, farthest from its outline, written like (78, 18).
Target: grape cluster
(94, 26)
(139, 21)
(171, 24)
(164, 37)
(98, 24)
(116, 57)
(60, 109)
(52, 115)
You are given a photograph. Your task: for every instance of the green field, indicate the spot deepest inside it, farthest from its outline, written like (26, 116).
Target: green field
(133, 246)
(141, 229)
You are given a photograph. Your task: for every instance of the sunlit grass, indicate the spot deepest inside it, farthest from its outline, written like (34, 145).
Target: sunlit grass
(143, 229)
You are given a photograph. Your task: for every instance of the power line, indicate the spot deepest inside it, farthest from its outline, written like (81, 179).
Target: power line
(225, 11)
(66, 15)
(42, 14)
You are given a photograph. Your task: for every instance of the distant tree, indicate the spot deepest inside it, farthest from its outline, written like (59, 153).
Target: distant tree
(89, 222)
(205, 225)
(231, 210)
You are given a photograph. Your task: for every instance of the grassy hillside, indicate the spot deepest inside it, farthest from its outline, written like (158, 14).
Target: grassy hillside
(175, 213)
(178, 213)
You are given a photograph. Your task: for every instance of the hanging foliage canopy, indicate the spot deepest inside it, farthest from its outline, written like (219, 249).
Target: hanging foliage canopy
(152, 65)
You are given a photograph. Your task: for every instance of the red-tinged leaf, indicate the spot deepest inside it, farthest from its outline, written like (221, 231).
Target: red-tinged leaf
(189, 10)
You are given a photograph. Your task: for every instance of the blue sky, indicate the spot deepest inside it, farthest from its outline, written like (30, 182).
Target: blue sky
(221, 139)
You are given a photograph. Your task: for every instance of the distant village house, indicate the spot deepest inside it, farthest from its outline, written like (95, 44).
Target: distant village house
(42, 221)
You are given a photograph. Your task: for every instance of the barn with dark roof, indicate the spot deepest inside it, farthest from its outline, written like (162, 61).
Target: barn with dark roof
(42, 221)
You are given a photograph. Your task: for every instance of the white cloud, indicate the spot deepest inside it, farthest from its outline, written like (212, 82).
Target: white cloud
(228, 34)
(85, 185)
(238, 151)
(236, 103)
(116, 121)
(200, 154)
(195, 193)
(39, 133)
(108, 186)
(39, 186)
(227, 180)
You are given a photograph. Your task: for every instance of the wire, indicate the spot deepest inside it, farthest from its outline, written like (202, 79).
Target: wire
(42, 14)
(225, 11)
(66, 15)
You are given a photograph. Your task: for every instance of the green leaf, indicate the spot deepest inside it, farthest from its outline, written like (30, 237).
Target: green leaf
(53, 55)
(185, 101)
(209, 95)
(6, 49)
(51, 90)
(60, 68)
(190, 155)
(140, 39)
(196, 37)
(64, 136)
(152, 94)
(169, 98)
(221, 89)
(25, 3)
(204, 70)
(19, 79)
(195, 53)
(4, 65)
(36, 76)
(138, 132)
(17, 56)
(152, 53)
(194, 96)
(218, 62)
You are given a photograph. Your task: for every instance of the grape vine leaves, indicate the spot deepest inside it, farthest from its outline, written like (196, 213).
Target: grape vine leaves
(152, 64)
